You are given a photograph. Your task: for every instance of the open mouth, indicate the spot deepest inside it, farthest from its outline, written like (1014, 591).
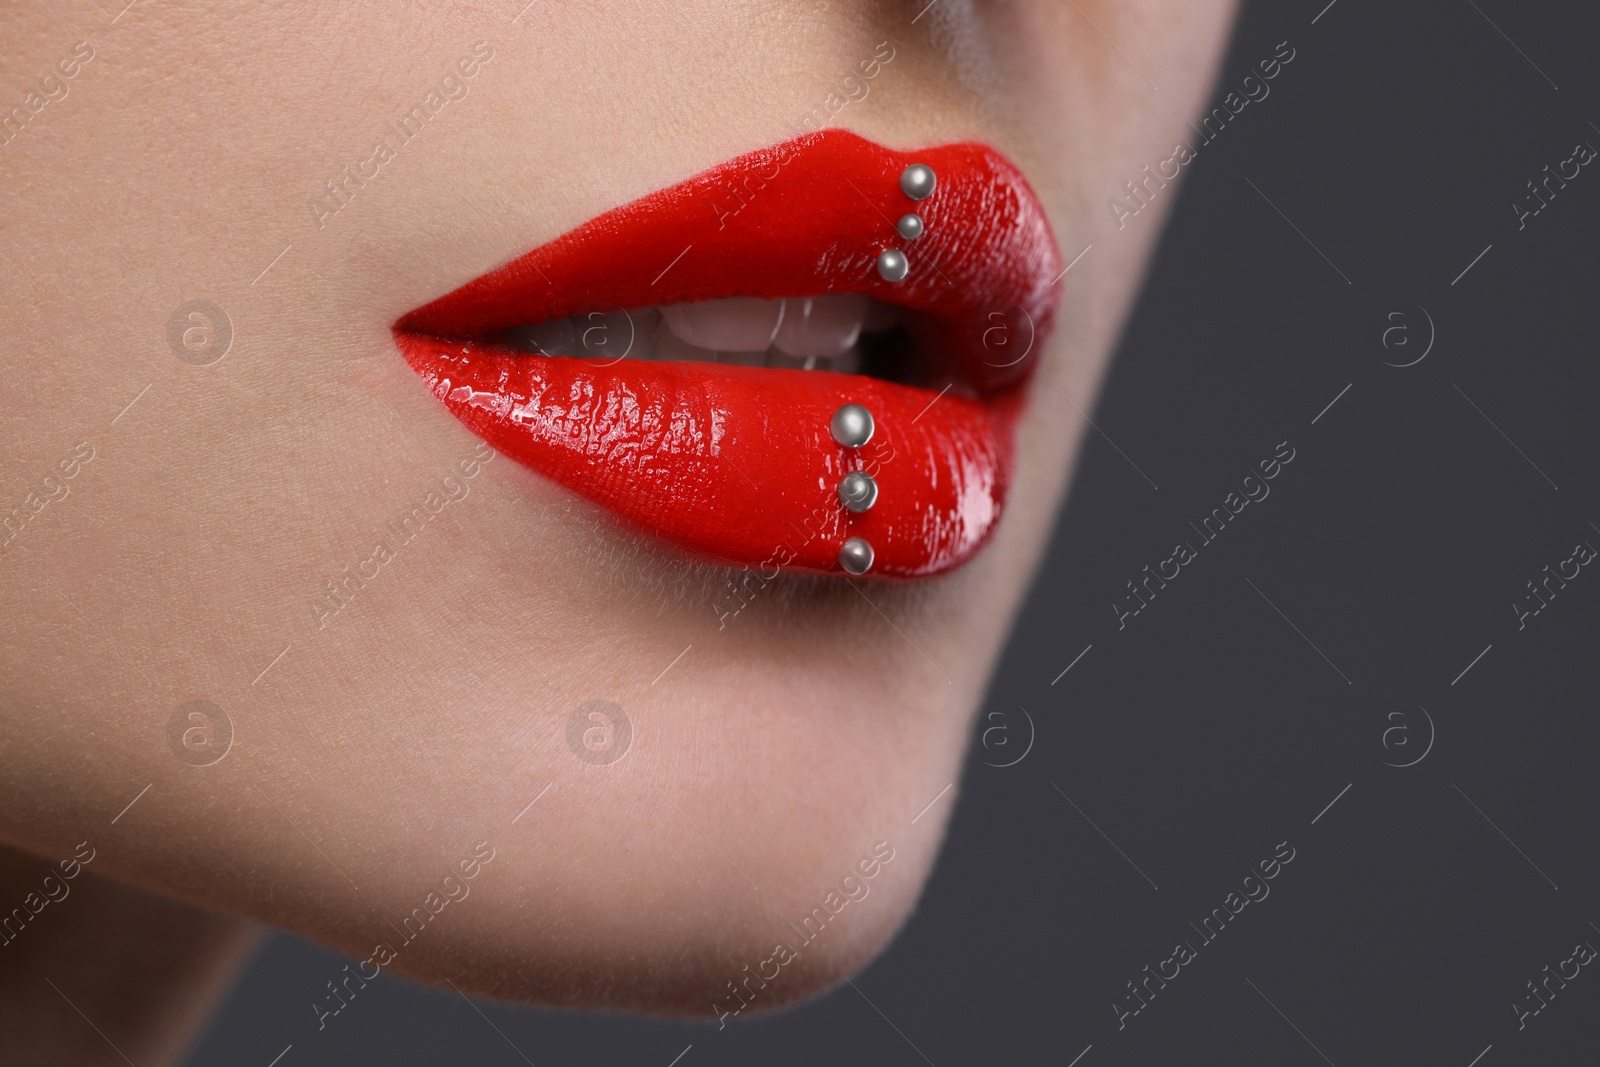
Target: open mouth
(808, 358)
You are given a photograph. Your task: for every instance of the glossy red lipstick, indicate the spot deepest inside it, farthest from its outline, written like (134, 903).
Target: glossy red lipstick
(737, 463)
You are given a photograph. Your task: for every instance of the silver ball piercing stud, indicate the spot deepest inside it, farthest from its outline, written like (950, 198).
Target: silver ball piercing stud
(852, 426)
(855, 556)
(917, 181)
(857, 491)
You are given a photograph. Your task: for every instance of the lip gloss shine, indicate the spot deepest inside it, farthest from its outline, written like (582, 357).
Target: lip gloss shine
(742, 464)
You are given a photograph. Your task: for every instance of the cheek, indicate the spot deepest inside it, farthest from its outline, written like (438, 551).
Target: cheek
(826, 722)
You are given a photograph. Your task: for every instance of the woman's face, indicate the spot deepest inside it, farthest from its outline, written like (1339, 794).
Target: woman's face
(488, 715)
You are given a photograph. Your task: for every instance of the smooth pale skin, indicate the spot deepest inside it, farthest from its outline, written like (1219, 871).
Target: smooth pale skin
(379, 750)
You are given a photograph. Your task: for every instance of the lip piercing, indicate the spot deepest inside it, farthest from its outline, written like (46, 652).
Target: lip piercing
(892, 265)
(851, 426)
(917, 181)
(910, 226)
(857, 491)
(855, 556)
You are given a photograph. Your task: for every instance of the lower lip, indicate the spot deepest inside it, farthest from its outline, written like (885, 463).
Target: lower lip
(737, 464)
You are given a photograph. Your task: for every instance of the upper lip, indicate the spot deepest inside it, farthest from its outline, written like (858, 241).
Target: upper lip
(980, 287)
(737, 462)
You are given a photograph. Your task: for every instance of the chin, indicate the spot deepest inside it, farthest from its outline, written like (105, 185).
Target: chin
(763, 835)
(688, 948)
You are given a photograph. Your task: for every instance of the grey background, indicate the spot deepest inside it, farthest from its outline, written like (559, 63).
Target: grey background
(1213, 727)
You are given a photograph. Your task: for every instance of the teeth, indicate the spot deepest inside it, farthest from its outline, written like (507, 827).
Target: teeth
(809, 333)
(553, 338)
(738, 324)
(646, 328)
(849, 363)
(823, 326)
(670, 347)
(613, 335)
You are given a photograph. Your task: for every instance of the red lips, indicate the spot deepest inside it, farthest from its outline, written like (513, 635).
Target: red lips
(737, 463)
